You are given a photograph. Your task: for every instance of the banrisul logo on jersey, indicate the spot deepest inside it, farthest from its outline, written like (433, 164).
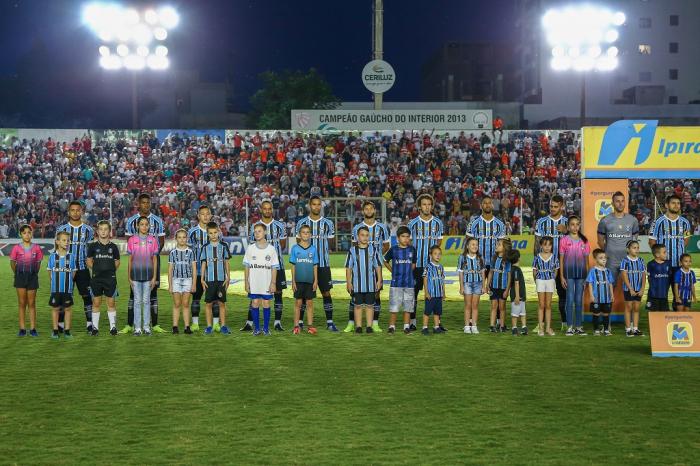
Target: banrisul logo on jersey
(641, 149)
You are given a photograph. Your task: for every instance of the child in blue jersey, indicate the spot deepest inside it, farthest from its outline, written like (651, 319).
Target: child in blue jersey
(304, 260)
(684, 284)
(62, 269)
(216, 273)
(434, 286)
(471, 271)
(633, 273)
(182, 272)
(363, 272)
(498, 284)
(659, 271)
(600, 286)
(400, 260)
(545, 267)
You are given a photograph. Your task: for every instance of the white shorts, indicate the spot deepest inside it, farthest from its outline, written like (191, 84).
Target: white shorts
(517, 310)
(182, 285)
(546, 286)
(401, 298)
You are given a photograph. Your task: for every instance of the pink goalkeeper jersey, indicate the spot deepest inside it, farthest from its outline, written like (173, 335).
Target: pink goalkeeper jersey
(573, 255)
(142, 250)
(28, 260)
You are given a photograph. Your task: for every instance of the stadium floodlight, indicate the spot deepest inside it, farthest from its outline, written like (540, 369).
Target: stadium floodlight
(582, 38)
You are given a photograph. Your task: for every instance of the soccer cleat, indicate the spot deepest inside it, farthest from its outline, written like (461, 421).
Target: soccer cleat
(629, 332)
(438, 330)
(425, 332)
(504, 329)
(570, 332)
(194, 327)
(246, 328)
(638, 333)
(376, 328)
(370, 330)
(95, 332)
(267, 333)
(147, 332)
(407, 331)
(257, 333)
(444, 330)
(296, 330)
(278, 327)
(113, 331)
(492, 329)
(358, 330)
(607, 333)
(580, 332)
(126, 329)
(349, 328)
(514, 331)
(412, 327)
(22, 333)
(176, 331)
(475, 330)
(225, 330)
(67, 335)
(331, 327)
(468, 329)
(523, 330)
(217, 327)
(188, 330)
(33, 333)
(392, 330)
(54, 335)
(157, 329)
(88, 329)
(208, 331)
(596, 333)
(312, 330)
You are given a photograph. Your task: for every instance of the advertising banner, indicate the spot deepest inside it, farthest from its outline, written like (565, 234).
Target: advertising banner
(378, 120)
(454, 245)
(673, 334)
(163, 134)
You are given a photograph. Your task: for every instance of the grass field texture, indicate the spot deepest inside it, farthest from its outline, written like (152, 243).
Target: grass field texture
(338, 398)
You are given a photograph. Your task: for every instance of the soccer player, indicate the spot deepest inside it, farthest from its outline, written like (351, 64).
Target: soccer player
(261, 264)
(143, 257)
(633, 273)
(25, 261)
(79, 234)
(363, 273)
(614, 231)
(304, 261)
(103, 259)
(684, 284)
(434, 285)
(426, 232)
(62, 269)
(498, 284)
(380, 238)
(470, 268)
(573, 260)
(659, 270)
(673, 231)
(600, 286)
(182, 271)
(216, 274)
(554, 226)
(197, 238)
(518, 296)
(322, 233)
(157, 230)
(276, 234)
(545, 266)
(400, 260)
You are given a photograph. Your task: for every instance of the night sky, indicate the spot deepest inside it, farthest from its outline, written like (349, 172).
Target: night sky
(239, 39)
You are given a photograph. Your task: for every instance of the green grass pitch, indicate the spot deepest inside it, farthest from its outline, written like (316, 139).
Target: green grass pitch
(339, 399)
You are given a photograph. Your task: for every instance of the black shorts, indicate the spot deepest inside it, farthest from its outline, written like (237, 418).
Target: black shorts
(496, 294)
(433, 306)
(281, 283)
(600, 308)
(304, 291)
(630, 298)
(29, 281)
(104, 286)
(364, 299)
(418, 276)
(63, 300)
(215, 292)
(82, 282)
(325, 282)
(657, 304)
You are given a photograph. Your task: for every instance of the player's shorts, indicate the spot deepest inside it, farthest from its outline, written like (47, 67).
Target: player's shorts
(418, 276)
(304, 291)
(597, 308)
(546, 286)
(433, 306)
(325, 281)
(517, 310)
(28, 281)
(63, 300)
(281, 283)
(657, 304)
(182, 285)
(264, 297)
(82, 281)
(364, 299)
(473, 288)
(104, 286)
(401, 298)
(216, 291)
(497, 294)
(630, 298)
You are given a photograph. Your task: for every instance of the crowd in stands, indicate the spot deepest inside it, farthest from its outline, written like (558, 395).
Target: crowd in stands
(38, 178)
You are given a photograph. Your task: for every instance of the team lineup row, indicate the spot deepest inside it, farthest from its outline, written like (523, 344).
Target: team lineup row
(199, 266)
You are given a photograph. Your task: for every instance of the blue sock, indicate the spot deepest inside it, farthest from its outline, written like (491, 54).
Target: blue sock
(255, 314)
(266, 317)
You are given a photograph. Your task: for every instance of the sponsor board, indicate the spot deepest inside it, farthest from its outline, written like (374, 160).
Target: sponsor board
(673, 334)
(380, 120)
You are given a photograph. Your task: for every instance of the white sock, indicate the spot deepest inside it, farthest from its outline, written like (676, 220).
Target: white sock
(250, 322)
(278, 322)
(375, 322)
(351, 322)
(392, 326)
(95, 320)
(195, 320)
(330, 321)
(112, 315)
(405, 326)
(300, 321)
(216, 320)
(61, 325)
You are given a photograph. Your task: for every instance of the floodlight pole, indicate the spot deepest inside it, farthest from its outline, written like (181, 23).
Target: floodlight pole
(134, 101)
(378, 42)
(583, 99)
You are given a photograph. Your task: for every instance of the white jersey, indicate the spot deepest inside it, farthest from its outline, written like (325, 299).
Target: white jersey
(260, 262)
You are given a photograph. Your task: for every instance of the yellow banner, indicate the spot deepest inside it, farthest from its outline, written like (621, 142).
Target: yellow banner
(454, 245)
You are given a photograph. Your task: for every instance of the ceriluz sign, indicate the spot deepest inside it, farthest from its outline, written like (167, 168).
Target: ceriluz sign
(378, 76)
(381, 120)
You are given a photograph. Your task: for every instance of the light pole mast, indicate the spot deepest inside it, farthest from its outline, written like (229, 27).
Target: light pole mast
(378, 42)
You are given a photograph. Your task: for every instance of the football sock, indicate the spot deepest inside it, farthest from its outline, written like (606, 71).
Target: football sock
(95, 320)
(328, 308)
(194, 310)
(112, 315)
(302, 310)
(606, 322)
(255, 313)
(278, 307)
(266, 318)
(596, 321)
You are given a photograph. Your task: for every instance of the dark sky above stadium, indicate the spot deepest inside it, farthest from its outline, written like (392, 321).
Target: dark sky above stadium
(241, 38)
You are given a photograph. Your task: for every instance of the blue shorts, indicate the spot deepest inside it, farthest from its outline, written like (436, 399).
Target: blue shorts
(266, 297)
(433, 306)
(473, 288)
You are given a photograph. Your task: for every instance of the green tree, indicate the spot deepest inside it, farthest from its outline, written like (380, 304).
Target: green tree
(281, 92)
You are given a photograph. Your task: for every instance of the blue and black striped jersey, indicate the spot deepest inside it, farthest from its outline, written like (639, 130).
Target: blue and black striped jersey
(672, 234)
(156, 226)
(402, 261)
(196, 238)
(182, 259)
(435, 274)
(362, 262)
(487, 232)
(378, 234)
(546, 269)
(471, 268)
(547, 226)
(635, 269)
(321, 231)
(215, 255)
(78, 241)
(686, 282)
(275, 233)
(501, 273)
(62, 269)
(424, 234)
(601, 281)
